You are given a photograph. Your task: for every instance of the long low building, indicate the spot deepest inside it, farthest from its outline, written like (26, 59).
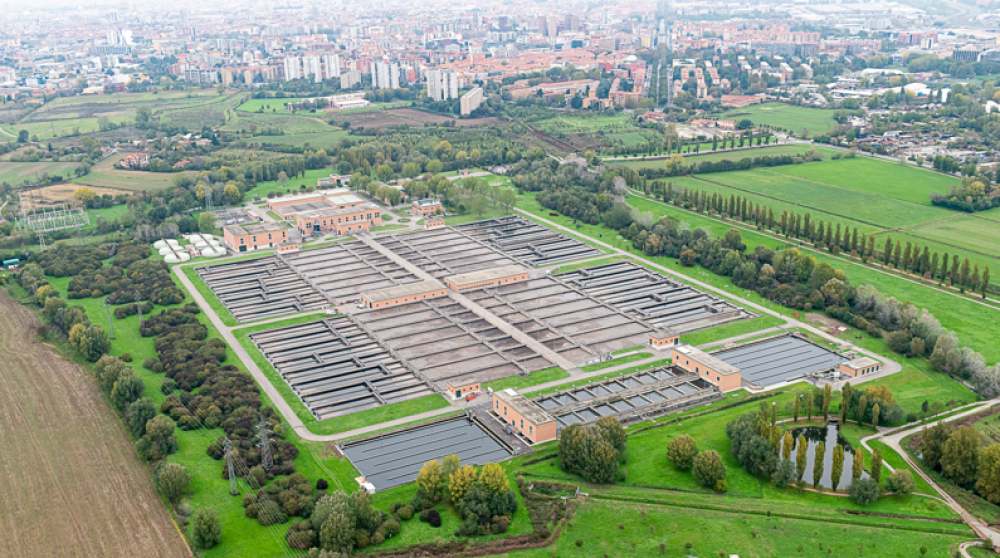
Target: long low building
(532, 421)
(724, 376)
(487, 278)
(403, 294)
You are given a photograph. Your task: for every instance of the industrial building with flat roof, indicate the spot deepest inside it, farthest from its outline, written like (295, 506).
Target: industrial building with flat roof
(411, 292)
(487, 278)
(531, 421)
(247, 238)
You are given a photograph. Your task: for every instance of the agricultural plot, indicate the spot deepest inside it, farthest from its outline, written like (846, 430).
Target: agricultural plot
(792, 118)
(965, 235)
(63, 116)
(875, 176)
(707, 183)
(773, 151)
(19, 173)
(67, 449)
(288, 123)
(408, 116)
(317, 140)
(844, 203)
(263, 188)
(126, 180)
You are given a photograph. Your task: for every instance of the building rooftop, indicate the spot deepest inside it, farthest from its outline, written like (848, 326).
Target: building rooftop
(401, 291)
(525, 408)
(341, 199)
(861, 362)
(705, 359)
(427, 202)
(318, 194)
(485, 275)
(662, 332)
(260, 228)
(335, 211)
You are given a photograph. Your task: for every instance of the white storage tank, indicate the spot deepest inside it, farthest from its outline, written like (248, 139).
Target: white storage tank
(166, 251)
(160, 244)
(173, 242)
(185, 256)
(171, 259)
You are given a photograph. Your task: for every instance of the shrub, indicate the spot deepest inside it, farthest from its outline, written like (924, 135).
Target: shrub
(682, 451)
(321, 484)
(206, 530)
(708, 469)
(434, 518)
(864, 491)
(168, 386)
(126, 357)
(172, 479)
(900, 482)
(405, 513)
(270, 513)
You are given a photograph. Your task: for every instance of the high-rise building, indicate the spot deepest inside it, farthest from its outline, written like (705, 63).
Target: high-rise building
(311, 67)
(349, 79)
(471, 100)
(292, 68)
(184, 18)
(572, 23)
(331, 62)
(385, 75)
(442, 84)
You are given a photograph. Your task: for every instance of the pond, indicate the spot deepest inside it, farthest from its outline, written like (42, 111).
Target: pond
(830, 436)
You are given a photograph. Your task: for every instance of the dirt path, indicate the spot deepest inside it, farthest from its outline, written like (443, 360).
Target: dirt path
(70, 482)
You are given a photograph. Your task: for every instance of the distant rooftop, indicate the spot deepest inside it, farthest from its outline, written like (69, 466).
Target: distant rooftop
(485, 275)
(525, 408)
(401, 291)
(705, 359)
(259, 228)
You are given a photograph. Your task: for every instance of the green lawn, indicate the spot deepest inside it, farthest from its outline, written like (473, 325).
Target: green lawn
(627, 529)
(874, 176)
(18, 173)
(826, 201)
(742, 327)
(535, 378)
(292, 186)
(705, 155)
(789, 117)
(616, 362)
(316, 140)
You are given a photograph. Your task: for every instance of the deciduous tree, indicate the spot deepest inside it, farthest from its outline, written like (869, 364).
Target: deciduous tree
(960, 458)
(708, 469)
(876, 467)
(837, 466)
(206, 530)
(173, 479)
(801, 457)
(682, 451)
(460, 482)
(900, 482)
(818, 463)
(988, 483)
(859, 463)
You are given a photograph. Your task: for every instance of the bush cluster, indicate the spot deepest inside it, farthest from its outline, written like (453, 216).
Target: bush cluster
(65, 260)
(594, 453)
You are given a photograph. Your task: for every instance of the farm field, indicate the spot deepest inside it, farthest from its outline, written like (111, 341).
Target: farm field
(408, 116)
(792, 118)
(772, 151)
(981, 236)
(80, 490)
(873, 175)
(843, 203)
(288, 123)
(19, 173)
(278, 106)
(126, 180)
(317, 140)
(720, 184)
(62, 116)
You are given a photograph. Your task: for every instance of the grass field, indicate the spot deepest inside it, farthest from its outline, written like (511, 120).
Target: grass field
(292, 186)
(772, 151)
(315, 140)
(792, 118)
(742, 327)
(127, 180)
(80, 490)
(19, 173)
(845, 204)
(289, 123)
(874, 176)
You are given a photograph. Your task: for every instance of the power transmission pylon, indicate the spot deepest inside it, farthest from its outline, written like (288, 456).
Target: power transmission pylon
(228, 449)
(263, 430)
(111, 326)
